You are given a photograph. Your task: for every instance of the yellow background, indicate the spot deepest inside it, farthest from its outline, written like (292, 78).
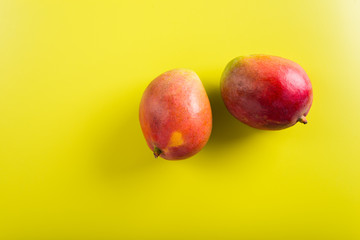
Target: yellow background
(74, 163)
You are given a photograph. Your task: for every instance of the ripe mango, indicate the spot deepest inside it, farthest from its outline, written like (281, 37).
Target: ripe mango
(175, 115)
(266, 92)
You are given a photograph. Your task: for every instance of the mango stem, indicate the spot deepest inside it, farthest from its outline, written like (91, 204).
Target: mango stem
(303, 120)
(157, 152)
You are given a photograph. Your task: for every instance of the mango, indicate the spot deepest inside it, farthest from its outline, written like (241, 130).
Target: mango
(266, 92)
(175, 115)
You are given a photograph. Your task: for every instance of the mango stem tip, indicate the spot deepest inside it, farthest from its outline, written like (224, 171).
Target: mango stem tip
(157, 152)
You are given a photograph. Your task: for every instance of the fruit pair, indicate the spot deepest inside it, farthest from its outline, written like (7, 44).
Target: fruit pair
(262, 91)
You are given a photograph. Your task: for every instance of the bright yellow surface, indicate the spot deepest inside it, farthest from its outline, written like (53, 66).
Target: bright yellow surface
(74, 163)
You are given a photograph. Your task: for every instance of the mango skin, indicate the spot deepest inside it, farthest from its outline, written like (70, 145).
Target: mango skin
(266, 92)
(175, 114)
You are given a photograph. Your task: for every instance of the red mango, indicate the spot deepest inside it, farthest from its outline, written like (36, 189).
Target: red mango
(175, 115)
(266, 92)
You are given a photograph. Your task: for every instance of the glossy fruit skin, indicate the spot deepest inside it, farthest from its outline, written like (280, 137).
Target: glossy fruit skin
(175, 115)
(266, 92)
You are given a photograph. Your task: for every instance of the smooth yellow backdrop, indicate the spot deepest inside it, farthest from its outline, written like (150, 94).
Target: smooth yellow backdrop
(74, 163)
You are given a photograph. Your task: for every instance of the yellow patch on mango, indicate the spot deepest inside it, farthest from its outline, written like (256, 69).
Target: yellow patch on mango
(176, 139)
